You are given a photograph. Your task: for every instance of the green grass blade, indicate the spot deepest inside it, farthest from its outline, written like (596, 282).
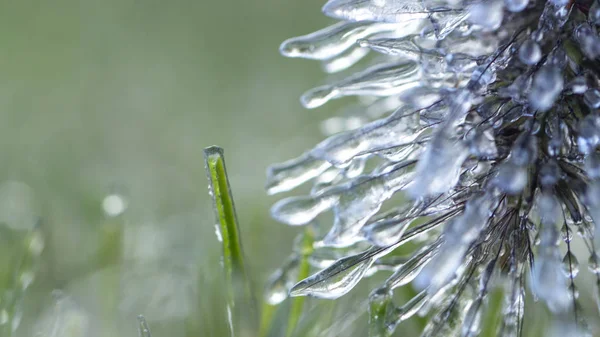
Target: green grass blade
(240, 298)
(303, 272)
(143, 328)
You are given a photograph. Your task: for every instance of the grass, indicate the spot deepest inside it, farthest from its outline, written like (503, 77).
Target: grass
(239, 292)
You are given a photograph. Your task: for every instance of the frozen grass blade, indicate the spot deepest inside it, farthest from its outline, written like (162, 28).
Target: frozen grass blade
(240, 301)
(143, 327)
(20, 278)
(303, 272)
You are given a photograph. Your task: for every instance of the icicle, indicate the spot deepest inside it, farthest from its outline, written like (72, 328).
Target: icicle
(336, 280)
(293, 173)
(331, 41)
(401, 128)
(379, 80)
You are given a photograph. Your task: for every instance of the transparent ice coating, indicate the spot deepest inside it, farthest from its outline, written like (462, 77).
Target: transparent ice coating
(345, 60)
(379, 10)
(439, 167)
(379, 80)
(336, 280)
(298, 211)
(547, 279)
(401, 128)
(458, 235)
(409, 270)
(293, 173)
(331, 41)
(360, 202)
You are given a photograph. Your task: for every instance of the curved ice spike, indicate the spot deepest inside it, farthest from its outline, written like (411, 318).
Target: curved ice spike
(336, 280)
(401, 128)
(331, 41)
(408, 271)
(293, 173)
(297, 211)
(379, 80)
(379, 10)
(344, 60)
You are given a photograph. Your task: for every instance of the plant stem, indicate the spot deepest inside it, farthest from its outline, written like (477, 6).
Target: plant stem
(240, 303)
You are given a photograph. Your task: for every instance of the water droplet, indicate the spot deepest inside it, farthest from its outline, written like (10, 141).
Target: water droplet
(530, 52)
(336, 280)
(570, 265)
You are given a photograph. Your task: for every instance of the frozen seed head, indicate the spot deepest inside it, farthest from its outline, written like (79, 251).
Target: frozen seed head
(484, 119)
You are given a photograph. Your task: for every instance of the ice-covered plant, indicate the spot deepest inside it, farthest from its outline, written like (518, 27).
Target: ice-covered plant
(485, 117)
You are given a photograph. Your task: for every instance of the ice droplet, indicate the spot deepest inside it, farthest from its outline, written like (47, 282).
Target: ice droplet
(570, 265)
(379, 80)
(344, 60)
(336, 280)
(530, 52)
(547, 85)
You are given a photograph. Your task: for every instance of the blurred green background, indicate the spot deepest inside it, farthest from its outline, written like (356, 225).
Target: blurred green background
(101, 98)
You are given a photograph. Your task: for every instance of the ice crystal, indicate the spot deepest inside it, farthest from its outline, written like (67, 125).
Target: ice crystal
(491, 138)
